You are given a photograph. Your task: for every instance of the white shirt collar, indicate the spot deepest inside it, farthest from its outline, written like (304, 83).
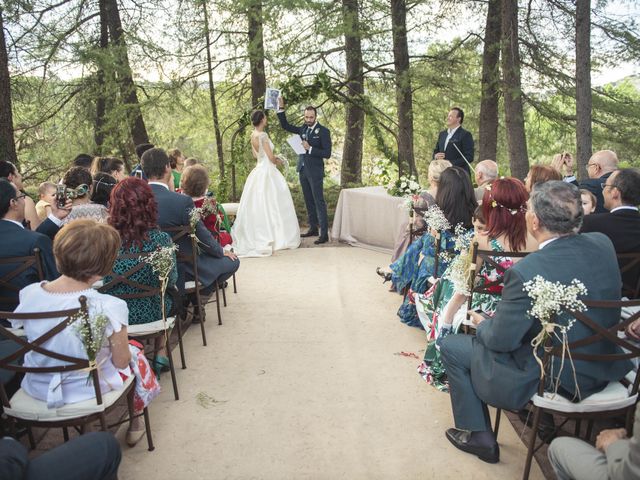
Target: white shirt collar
(624, 207)
(159, 183)
(13, 221)
(547, 242)
(451, 131)
(314, 126)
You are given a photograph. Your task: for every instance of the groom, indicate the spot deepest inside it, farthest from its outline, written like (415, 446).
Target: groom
(316, 140)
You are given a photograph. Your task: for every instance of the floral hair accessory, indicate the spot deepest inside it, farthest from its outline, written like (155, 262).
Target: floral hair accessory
(522, 208)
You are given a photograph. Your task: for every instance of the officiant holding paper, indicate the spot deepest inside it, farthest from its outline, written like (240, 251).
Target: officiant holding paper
(455, 143)
(316, 146)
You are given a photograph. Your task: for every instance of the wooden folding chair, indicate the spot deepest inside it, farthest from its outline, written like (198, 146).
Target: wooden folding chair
(156, 329)
(618, 398)
(24, 409)
(13, 268)
(629, 264)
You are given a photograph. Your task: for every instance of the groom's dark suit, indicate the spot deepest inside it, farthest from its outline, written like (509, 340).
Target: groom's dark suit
(310, 169)
(497, 366)
(463, 140)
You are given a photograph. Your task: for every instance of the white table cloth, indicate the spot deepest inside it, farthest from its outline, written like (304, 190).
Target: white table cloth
(369, 217)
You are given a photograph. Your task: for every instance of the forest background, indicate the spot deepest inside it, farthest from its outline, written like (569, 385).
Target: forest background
(534, 78)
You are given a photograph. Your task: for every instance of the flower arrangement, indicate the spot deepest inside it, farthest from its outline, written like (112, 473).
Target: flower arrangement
(461, 270)
(404, 186)
(435, 219)
(91, 330)
(381, 171)
(548, 300)
(162, 262)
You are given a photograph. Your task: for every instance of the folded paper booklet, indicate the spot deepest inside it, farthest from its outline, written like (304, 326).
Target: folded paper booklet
(271, 99)
(296, 143)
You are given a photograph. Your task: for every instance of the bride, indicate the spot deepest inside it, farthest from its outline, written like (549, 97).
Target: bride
(266, 219)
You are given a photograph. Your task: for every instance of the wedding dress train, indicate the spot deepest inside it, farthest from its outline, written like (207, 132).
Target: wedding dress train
(266, 220)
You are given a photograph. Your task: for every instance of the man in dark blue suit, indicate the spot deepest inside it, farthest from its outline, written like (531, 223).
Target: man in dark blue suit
(17, 241)
(455, 143)
(316, 139)
(600, 166)
(497, 366)
(214, 264)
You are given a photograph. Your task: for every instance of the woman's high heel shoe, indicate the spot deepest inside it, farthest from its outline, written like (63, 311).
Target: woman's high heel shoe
(385, 275)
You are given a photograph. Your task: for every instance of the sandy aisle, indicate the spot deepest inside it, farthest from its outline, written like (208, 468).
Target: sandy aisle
(301, 381)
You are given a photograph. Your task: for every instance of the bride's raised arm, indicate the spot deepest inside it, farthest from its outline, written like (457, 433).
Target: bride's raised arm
(266, 145)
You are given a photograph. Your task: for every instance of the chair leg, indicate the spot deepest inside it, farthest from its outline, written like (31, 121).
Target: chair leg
(589, 430)
(65, 434)
(103, 422)
(576, 433)
(32, 440)
(130, 409)
(180, 345)
(173, 371)
(224, 296)
(218, 305)
(532, 443)
(147, 427)
(235, 287)
(497, 424)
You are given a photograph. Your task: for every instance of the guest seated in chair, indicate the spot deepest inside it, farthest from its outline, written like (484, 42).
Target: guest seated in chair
(621, 192)
(214, 264)
(457, 201)
(497, 366)
(194, 182)
(134, 214)
(84, 251)
(80, 183)
(10, 172)
(540, 174)
(103, 183)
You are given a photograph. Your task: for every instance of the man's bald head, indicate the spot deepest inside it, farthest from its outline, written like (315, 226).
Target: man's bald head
(486, 172)
(601, 163)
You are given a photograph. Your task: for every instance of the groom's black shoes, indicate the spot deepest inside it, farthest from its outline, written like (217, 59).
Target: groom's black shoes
(465, 441)
(312, 232)
(323, 239)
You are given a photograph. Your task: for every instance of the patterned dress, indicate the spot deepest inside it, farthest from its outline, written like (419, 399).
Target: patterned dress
(435, 301)
(147, 309)
(409, 271)
(87, 211)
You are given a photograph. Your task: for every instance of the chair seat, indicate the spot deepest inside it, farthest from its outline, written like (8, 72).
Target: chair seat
(98, 285)
(25, 407)
(231, 208)
(615, 396)
(151, 327)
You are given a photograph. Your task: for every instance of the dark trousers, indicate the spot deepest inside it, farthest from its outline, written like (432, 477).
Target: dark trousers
(312, 188)
(227, 268)
(469, 412)
(95, 455)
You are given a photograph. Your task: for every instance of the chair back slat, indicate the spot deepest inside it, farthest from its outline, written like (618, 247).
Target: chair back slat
(23, 264)
(630, 263)
(178, 233)
(124, 279)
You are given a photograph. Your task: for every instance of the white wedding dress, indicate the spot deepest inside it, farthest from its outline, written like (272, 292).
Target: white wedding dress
(266, 220)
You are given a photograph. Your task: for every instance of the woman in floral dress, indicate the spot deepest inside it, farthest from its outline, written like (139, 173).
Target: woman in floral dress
(504, 208)
(456, 199)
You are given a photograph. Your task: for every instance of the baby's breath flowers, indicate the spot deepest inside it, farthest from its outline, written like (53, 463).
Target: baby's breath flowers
(91, 330)
(162, 262)
(460, 270)
(435, 219)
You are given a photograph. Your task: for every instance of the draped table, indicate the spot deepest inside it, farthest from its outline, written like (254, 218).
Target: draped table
(369, 217)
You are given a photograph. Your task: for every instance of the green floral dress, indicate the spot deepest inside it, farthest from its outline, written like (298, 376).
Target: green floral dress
(434, 302)
(148, 309)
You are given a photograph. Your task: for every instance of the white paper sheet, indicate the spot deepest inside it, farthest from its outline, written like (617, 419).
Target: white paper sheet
(296, 143)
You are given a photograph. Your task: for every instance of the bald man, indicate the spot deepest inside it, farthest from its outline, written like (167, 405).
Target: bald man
(486, 172)
(600, 167)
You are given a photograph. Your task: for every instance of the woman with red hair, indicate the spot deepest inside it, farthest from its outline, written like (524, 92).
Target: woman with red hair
(503, 208)
(133, 212)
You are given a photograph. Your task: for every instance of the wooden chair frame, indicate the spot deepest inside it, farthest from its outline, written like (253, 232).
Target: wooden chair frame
(23, 264)
(145, 292)
(233, 277)
(626, 262)
(72, 364)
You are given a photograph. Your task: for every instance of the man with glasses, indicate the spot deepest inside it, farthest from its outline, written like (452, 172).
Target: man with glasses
(600, 166)
(621, 192)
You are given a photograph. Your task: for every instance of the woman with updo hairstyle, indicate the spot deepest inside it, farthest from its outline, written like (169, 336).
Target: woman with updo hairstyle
(194, 183)
(504, 206)
(79, 188)
(540, 174)
(176, 161)
(103, 183)
(111, 165)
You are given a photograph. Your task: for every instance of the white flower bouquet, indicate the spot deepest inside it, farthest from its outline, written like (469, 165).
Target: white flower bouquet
(436, 220)
(460, 270)
(404, 186)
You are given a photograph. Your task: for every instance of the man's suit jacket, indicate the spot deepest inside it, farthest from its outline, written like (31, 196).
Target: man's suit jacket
(173, 211)
(463, 140)
(18, 242)
(623, 229)
(503, 369)
(320, 141)
(593, 185)
(623, 456)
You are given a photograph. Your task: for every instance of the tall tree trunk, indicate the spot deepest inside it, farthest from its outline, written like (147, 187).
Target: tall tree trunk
(583, 86)
(404, 95)
(490, 84)
(514, 115)
(7, 143)
(354, 114)
(256, 52)
(101, 101)
(212, 92)
(127, 86)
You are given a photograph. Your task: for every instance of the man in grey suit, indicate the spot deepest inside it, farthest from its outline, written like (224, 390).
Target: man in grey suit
(214, 264)
(497, 366)
(615, 457)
